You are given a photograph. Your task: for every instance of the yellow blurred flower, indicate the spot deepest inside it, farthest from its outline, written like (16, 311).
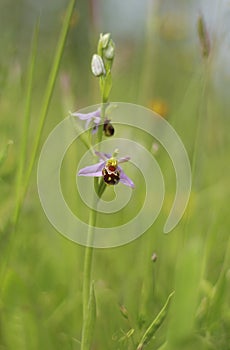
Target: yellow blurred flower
(159, 106)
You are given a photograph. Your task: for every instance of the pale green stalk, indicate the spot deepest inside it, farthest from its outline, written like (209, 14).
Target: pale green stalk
(89, 303)
(88, 257)
(206, 51)
(88, 261)
(88, 327)
(25, 132)
(197, 142)
(199, 124)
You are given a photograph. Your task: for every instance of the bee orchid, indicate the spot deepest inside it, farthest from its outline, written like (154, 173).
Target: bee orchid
(108, 168)
(92, 118)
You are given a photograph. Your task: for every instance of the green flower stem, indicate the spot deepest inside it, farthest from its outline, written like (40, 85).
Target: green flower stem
(88, 261)
(105, 83)
(87, 272)
(100, 129)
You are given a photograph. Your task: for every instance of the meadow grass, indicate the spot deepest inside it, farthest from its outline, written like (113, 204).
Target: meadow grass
(42, 272)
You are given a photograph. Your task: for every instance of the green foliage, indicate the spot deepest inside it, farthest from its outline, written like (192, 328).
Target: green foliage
(156, 323)
(87, 336)
(41, 273)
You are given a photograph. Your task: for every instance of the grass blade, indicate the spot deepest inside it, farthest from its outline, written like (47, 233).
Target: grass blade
(47, 99)
(187, 282)
(156, 323)
(25, 131)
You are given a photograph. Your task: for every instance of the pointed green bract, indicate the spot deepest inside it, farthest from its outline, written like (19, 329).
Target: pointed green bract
(153, 327)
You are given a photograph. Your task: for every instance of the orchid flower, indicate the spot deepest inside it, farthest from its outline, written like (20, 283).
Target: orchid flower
(93, 118)
(108, 168)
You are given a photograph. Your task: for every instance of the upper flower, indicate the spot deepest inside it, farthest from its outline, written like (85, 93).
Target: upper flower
(93, 118)
(108, 168)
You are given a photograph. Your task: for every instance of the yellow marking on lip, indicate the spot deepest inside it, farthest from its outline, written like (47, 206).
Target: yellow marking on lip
(111, 162)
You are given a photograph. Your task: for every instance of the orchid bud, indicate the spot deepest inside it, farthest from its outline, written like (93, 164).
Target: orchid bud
(97, 66)
(104, 40)
(109, 51)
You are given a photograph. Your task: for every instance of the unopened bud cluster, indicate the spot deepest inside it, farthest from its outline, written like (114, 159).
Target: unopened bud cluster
(102, 61)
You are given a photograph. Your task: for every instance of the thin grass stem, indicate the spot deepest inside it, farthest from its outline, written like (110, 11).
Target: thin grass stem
(25, 131)
(46, 102)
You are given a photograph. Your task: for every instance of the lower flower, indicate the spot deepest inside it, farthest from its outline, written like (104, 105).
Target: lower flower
(108, 168)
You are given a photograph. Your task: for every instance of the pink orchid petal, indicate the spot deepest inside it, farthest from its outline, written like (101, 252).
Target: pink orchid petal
(87, 123)
(125, 179)
(103, 156)
(123, 159)
(97, 120)
(85, 116)
(95, 129)
(92, 170)
(95, 170)
(82, 116)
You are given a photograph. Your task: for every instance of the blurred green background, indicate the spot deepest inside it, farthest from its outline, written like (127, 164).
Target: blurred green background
(158, 64)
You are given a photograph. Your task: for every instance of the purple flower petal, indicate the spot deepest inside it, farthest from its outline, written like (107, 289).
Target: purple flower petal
(92, 170)
(82, 116)
(95, 170)
(95, 129)
(103, 156)
(123, 159)
(125, 179)
(88, 121)
(97, 120)
(85, 116)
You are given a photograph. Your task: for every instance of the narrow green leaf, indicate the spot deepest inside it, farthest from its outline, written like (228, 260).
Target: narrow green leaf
(47, 98)
(26, 123)
(156, 323)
